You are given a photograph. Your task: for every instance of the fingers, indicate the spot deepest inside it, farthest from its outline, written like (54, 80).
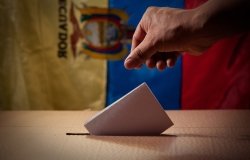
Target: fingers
(138, 37)
(161, 65)
(150, 63)
(161, 60)
(171, 62)
(140, 53)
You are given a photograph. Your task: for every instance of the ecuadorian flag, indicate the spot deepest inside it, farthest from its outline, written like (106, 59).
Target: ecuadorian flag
(62, 54)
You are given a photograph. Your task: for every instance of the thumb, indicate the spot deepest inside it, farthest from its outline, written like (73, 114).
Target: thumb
(142, 52)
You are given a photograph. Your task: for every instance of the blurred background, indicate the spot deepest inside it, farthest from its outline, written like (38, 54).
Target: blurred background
(68, 55)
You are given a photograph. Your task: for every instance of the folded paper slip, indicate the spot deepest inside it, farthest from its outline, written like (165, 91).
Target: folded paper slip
(136, 113)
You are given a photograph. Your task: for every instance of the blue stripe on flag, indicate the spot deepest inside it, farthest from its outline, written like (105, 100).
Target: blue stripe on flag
(165, 85)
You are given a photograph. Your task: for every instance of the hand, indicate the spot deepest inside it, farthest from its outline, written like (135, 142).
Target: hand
(163, 33)
(160, 37)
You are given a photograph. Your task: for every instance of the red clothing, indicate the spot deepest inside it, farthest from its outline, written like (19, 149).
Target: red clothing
(220, 77)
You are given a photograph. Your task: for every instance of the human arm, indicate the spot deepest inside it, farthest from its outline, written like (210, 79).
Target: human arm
(163, 32)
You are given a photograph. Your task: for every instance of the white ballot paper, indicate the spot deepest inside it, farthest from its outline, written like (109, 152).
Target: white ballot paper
(136, 113)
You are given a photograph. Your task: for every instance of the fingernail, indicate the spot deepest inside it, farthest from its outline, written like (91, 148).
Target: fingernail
(169, 63)
(130, 63)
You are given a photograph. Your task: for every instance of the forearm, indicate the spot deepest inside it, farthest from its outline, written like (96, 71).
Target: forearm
(223, 18)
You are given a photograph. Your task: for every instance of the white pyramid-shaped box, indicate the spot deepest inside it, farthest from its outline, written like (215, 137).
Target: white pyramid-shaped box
(136, 113)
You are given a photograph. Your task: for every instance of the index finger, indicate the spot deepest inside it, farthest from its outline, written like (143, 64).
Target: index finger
(138, 36)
